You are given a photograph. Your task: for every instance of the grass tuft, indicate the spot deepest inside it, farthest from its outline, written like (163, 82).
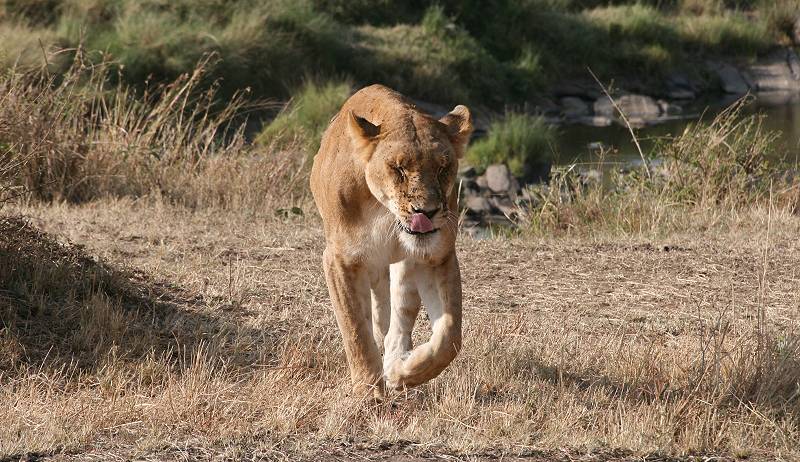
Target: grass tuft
(525, 143)
(306, 116)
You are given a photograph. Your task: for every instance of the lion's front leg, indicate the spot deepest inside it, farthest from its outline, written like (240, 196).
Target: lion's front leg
(405, 305)
(439, 287)
(349, 288)
(381, 306)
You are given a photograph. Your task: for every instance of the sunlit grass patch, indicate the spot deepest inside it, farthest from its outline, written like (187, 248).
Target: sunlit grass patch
(525, 143)
(306, 116)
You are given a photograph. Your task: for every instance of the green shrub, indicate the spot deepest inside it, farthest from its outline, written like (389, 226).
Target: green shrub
(306, 116)
(523, 142)
(452, 52)
(435, 60)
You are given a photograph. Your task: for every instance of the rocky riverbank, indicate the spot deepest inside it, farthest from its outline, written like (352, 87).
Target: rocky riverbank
(774, 78)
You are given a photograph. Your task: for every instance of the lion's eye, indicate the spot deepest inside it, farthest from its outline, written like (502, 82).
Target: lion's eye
(401, 174)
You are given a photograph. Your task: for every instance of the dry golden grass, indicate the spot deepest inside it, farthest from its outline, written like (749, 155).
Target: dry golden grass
(78, 137)
(200, 334)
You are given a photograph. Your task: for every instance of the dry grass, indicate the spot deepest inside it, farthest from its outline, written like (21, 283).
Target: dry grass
(189, 321)
(78, 137)
(210, 333)
(708, 174)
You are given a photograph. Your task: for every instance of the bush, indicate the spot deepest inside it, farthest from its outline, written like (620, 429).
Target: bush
(523, 142)
(306, 116)
(453, 52)
(435, 60)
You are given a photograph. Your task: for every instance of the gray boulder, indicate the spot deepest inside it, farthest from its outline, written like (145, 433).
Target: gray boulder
(498, 178)
(477, 204)
(774, 73)
(505, 205)
(633, 106)
(596, 121)
(680, 86)
(796, 32)
(731, 79)
(481, 182)
(668, 108)
(573, 107)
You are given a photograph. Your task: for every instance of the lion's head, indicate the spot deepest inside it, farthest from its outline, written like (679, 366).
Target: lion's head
(410, 168)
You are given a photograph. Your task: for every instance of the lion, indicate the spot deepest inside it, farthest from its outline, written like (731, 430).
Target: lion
(384, 183)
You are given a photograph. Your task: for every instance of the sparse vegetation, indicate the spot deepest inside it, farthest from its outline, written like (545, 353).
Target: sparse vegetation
(305, 117)
(712, 170)
(646, 314)
(525, 143)
(79, 138)
(188, 347)
(453, 52)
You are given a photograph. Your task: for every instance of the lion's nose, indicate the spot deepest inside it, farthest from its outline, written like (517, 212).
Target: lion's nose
(428, 213)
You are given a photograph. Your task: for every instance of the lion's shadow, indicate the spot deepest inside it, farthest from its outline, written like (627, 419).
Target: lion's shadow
(59, 307)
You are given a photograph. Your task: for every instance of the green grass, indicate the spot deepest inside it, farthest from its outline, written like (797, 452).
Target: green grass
(454, 52)
(307, 115)
(525, 143)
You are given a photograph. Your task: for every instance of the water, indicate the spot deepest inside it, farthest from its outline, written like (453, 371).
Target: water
(578, 143)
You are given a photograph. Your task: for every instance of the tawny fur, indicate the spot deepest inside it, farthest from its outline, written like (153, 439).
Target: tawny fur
(380, 159)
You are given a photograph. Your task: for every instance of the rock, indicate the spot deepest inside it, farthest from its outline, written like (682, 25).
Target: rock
(498, 178)
(596, 146)
(591, 176)
(604, 107)
(466, 172)
(794, 63)
(680, 93)
(796, 32)
(477, 204)
(481, 182)
(774, 73)
(778, 98)
(573, 107)
(680, 86)
(637, 122)
(469, 187)
(668, 108)
(596, 121)
(679, 80)
(513, 189)
(731, 79)
(505, 205)
(633, 106)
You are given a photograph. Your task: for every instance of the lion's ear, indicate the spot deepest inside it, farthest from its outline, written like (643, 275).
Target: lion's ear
(363, 132)
(459, 127)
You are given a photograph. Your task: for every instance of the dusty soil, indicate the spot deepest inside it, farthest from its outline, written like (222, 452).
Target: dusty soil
(216, 342)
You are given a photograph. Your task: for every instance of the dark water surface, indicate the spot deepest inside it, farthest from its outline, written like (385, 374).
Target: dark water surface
(579, 144)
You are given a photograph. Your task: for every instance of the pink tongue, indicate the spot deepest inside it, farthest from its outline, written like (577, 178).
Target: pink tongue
(420, 223)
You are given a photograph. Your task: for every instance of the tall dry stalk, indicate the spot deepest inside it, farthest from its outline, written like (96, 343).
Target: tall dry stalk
(78, 137)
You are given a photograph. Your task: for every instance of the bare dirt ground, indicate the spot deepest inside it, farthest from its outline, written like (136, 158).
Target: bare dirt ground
(209, 336)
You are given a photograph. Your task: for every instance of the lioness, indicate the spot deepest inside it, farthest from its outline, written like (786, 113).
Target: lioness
(383, 181)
